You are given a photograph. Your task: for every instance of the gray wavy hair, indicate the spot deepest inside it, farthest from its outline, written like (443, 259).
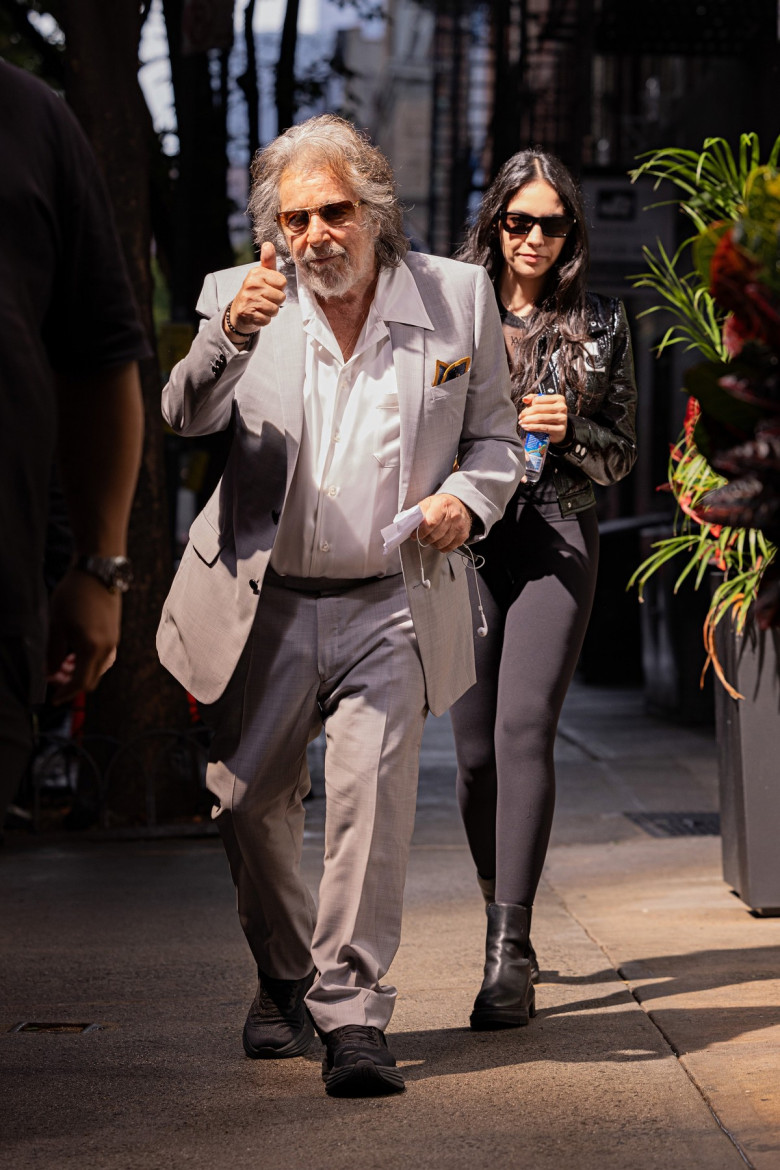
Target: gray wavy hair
(329, 143)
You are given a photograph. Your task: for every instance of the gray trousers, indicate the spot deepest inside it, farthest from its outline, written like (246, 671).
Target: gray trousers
(348, 660)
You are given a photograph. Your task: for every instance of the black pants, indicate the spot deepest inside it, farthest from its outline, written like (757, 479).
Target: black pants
(16, 727)
(537, 589)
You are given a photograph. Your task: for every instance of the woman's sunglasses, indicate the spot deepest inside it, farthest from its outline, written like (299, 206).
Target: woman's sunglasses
(517, 223)
(333, 214)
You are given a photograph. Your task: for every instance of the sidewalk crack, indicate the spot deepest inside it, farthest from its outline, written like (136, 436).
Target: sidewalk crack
(681, 1061)
(651, 1017)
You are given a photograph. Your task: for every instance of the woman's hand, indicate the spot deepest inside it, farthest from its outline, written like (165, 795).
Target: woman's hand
(545, 414)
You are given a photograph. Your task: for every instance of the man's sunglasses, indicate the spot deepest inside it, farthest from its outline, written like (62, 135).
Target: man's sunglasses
(333, 214)
(517, 223)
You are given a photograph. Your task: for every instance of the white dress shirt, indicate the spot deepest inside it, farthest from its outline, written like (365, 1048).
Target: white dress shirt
(346, 481)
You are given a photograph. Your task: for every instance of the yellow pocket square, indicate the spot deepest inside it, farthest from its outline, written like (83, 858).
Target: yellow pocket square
(445, 372)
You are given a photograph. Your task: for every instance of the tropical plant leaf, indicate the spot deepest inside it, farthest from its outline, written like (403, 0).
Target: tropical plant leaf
(712, 180)
(698, 321)
(757, 229)
(724, 420)
(704, 248)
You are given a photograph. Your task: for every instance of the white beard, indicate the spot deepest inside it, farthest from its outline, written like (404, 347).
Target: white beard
(333, 280)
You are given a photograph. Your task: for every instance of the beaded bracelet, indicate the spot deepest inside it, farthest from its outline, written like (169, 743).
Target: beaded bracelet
(231, 326)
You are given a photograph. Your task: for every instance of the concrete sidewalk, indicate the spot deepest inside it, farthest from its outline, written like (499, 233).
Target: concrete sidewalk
(657, 1042)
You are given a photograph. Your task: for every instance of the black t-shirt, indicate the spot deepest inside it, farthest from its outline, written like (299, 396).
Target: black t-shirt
(65, 305)
(543, 491)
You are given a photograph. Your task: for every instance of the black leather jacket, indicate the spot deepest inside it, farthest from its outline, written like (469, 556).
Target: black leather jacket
(600, 444)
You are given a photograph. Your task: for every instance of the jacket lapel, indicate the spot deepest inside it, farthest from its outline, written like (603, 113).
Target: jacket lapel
(409, 360)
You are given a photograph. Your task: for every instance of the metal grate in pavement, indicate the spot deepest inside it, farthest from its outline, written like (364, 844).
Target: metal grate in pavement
(67, 1028)
(677, 824)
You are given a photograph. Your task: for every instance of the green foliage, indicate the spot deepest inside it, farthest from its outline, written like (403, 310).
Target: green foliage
(698, 321)
(714, 188)
(757, 229)
(741, 555)
(724, 420)
(712, 180)
(718, 191)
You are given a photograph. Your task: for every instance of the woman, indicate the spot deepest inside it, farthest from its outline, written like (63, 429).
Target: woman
(569, 353)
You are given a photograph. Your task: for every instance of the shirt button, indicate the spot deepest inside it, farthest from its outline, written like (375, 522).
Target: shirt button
(324, 547)
(336, 436)
(333, 490)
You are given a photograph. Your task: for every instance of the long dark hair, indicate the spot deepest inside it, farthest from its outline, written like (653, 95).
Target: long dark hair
(559, 321)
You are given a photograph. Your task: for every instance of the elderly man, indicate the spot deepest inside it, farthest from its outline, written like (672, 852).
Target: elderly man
(358, 380)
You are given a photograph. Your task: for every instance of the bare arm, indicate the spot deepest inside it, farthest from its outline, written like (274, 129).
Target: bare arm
(100, 439)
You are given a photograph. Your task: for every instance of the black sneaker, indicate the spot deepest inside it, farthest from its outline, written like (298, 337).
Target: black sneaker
(278, 1024)
(358, 1064)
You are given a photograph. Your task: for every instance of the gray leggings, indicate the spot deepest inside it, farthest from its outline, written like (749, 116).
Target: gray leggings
(537, 588)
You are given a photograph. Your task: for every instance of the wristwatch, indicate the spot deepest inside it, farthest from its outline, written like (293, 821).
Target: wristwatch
(116, 573)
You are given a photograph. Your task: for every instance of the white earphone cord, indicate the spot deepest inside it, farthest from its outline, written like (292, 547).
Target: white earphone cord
(483, 629)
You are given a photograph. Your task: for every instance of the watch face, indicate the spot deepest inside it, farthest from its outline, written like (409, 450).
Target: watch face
(121, 574)
(114, 572)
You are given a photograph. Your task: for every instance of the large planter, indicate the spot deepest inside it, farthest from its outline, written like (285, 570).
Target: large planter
(748, 733)
(673, 653)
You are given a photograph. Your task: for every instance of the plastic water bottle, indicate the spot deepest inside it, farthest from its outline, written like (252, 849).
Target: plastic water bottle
(535, 445)
(535, 448)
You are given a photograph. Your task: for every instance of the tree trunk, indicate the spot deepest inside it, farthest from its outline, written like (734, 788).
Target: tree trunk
(285, 68)
(136, 695)
(248, 81)
(200, 204)
(505, 134)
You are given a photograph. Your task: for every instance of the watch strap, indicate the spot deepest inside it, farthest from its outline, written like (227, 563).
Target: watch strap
(115, 573)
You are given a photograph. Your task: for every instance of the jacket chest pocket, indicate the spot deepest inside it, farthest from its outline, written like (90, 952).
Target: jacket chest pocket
(452, 397)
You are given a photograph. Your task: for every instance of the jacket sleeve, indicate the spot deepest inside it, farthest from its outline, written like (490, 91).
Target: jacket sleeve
(198, 399)
(603, 444)
(490, 452)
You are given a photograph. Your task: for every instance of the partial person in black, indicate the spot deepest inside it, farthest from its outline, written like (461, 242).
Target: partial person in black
(569, 353)
(69, 344)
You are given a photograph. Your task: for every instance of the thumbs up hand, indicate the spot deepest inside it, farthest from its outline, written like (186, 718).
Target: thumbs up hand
(259, 298)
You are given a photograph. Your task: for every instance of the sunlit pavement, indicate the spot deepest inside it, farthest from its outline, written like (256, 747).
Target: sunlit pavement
(657, 1042)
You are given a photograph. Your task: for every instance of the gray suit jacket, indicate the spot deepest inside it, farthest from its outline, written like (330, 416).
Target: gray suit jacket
(211, 606)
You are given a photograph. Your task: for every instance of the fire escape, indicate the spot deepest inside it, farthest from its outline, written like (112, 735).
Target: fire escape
(509, 74)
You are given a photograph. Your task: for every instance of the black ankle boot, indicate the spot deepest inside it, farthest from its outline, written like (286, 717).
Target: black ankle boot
(506, 998)
(488, 888)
